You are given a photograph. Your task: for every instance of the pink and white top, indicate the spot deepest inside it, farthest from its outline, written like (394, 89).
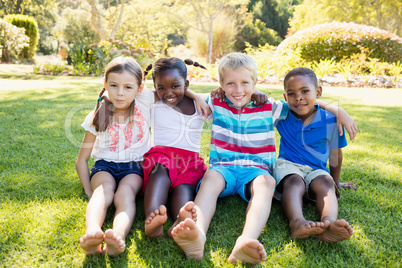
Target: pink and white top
(122, 143)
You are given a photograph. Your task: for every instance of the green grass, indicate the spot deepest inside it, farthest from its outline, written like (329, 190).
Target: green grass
(42, 204)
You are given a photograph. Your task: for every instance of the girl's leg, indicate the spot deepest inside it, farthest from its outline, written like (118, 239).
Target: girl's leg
(178, 198)
(323, 189)
(155, 198)
(104, 185)
(124, 201)
(248, 249)
(293, 189)
(190, 235)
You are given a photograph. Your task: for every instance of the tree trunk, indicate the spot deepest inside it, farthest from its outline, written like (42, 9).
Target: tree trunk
(96, 20)
(116, 25)
(209, 49)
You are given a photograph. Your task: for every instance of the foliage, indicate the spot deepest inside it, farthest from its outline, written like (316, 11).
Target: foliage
(31, 30)
(338, 40)
(382, 14)
(91, 59)
(323, 67)
(12, 41)
(146, 24)
(43, 205)
(253, 32)
(51, 67)
(222, 38)
(271, 14)
(396, 69)
(263, 57)
(44, 12)
(74, 25)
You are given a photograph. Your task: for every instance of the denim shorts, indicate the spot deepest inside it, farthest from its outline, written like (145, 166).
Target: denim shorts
(237, 178)
(117, 170)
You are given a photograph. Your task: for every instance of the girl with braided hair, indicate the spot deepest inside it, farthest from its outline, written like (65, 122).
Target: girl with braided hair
(117, 137)
(172, 168)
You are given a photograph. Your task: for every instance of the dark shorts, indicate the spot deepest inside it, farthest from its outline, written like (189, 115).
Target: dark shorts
(117, 170)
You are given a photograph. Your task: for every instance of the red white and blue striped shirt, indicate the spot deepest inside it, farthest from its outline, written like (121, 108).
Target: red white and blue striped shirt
(245, 136)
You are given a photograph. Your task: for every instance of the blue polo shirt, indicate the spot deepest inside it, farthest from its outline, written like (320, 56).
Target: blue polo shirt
(309, 145)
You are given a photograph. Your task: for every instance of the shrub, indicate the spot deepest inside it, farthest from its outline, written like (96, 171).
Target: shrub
(12, 41)
(337, 40)
(50, 67)
(92, 59)
(31, 30)
(323, 67)
(263, 57)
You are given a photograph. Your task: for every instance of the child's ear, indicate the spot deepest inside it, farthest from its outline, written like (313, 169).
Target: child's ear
(319, 92)
(104, 83)
(186, 85)
(284, 96)
(140, 88)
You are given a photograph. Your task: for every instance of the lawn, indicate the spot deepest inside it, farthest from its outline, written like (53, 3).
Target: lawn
(42, 204)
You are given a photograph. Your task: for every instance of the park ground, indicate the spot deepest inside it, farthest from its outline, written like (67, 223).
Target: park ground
(42, 204)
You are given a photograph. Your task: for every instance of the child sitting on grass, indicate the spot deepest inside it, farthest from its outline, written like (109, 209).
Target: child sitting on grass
(117, 137)
(309, 138)
(241, 158)
(173, 167)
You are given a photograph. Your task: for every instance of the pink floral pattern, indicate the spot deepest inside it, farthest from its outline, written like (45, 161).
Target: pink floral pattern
(115, 129)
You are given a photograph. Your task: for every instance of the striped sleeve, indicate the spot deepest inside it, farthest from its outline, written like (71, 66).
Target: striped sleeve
(280, 110)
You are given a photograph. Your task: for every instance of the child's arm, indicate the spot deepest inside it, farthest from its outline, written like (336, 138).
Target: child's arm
(335, 163)
(342, 117)
(81, 164)
(202, 106)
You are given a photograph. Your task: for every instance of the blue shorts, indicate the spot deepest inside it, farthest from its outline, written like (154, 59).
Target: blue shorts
(237, 178)
(117, 170)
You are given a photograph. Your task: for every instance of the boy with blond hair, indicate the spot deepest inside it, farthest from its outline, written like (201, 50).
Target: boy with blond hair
(241, 158)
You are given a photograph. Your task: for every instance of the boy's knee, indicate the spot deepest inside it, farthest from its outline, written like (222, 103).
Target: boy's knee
(324, 181)
(213, 179)
(293, 180)
(266, 181)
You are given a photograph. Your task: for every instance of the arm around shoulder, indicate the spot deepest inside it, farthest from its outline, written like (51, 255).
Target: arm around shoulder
(81, 163)
(342, 117)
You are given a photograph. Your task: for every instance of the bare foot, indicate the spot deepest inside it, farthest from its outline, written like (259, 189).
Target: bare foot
(91, 243)
(115, 245)
(303, 229)
(337, 231)
(248, 251)
(154, 222)
(187, 235)
(187, 211)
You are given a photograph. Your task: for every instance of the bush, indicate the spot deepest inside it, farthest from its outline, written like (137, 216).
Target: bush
(12, 41)
(92, 59)
(31, 30)
(340, 40)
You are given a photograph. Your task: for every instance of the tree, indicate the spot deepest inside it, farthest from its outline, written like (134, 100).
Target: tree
(201, 15)
(112, 14)
(379, 13)
(145, 24)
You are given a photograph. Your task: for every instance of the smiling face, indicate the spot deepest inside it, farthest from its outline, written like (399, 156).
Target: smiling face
(301, 94)
(238, 86)
(170, 86)
(122, 88)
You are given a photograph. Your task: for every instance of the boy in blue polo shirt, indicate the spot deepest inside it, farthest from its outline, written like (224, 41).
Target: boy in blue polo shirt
(309, 138)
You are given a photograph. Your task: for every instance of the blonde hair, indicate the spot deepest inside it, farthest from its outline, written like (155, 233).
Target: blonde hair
(104, 107)
(235, 61)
